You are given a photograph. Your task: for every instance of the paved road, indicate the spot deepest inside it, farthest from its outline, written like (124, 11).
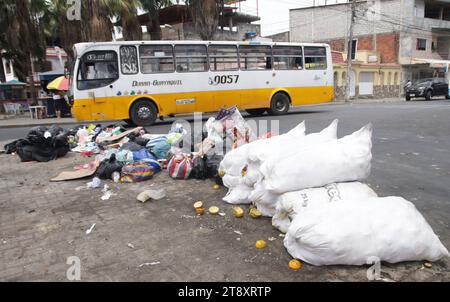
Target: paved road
(411, 159)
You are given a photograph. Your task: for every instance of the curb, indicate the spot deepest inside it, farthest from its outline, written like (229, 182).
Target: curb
(9, 126)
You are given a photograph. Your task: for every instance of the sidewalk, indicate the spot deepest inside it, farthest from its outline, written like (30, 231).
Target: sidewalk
(26, 121)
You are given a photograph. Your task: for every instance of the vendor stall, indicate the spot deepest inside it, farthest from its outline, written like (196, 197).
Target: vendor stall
(13, 97)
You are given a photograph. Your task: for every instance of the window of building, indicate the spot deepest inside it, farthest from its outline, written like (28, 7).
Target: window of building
(421, 44)
(156, 58)
(223, 57)
(129, 60)
(315, 57)
(191, 58)
(255, 57)
(395, 78)
(287, 57)
(98, 69)
(432, 11)
(354, 48)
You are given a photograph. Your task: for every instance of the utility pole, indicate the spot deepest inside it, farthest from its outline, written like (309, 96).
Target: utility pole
(350, 50)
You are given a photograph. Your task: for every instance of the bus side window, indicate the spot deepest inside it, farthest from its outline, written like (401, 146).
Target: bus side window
(191, 58)
(315, 58)
(156, 58)
(223, 57)
(255, 57)
(288, 57)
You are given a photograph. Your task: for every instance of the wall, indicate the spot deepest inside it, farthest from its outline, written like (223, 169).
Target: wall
(386, 80)
(307, 25)
(387, 45)
(281, 37)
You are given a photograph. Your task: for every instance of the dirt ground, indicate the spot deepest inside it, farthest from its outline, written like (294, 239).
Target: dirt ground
(44, 223)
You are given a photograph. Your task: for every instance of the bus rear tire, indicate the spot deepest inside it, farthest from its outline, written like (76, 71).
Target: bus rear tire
(280, 104)
(256, 112)
(143, 113)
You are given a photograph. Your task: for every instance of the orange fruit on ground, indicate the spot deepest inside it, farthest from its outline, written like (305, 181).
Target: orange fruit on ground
(216, 187)
(255, 213)
(213, 210)
(238, 212)
(198, 205)
(200, 211)
(295, 264)
(260, 244)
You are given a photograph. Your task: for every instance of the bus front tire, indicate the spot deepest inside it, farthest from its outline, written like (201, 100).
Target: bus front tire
(143, 113)
(256, 112)
(280, 104)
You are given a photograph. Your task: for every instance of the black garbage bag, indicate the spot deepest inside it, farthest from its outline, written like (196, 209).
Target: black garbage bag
(39, 148)
(36, 135)
(61, 144)
(212, 168)
(199, 170)
(12, 147)
(28, 151)
(108, 167)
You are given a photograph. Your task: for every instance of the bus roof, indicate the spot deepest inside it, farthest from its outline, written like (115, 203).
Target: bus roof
(82, 47)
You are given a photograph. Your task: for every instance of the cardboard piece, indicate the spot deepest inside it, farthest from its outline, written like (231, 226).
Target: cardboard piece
(118, 137)
(73, 175)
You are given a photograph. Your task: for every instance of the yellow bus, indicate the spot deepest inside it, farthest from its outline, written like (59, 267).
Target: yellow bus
(141, 81)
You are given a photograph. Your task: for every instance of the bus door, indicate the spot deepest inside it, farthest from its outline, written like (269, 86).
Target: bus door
(316, 68)
(97, 72)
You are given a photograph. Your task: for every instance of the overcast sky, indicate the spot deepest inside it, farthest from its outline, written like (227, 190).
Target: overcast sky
(275, 13)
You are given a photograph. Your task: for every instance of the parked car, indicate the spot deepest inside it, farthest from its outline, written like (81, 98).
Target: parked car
(427, 88)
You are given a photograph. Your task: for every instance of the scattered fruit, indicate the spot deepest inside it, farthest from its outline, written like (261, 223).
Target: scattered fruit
(295, 264)
(260, 244)
(216, 187)
(238, 212)
(221, 173)
(254, 213)
(213, 210)
(428, 265)
(199, 209)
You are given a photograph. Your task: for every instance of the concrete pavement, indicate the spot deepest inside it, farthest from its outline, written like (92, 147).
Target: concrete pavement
(42, 223)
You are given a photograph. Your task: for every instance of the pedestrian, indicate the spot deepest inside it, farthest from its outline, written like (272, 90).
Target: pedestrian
(58, 103)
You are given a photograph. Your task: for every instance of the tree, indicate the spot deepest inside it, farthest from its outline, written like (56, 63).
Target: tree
(153, 7)
(21, 36)
(205, 15)
(126, 13)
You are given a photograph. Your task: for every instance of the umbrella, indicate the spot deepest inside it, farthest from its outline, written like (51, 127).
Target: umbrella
(61, 83)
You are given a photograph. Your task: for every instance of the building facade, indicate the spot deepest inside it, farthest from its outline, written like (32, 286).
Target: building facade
(410, 35)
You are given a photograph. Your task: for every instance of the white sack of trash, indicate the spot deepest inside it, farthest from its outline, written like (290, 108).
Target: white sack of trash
(289, 205)
(353, 231)
(346, 159)
(235, 161)
(241, 166)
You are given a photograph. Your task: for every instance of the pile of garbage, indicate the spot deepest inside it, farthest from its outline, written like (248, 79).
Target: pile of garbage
(42, 144)
(130, 156)
(312, 189)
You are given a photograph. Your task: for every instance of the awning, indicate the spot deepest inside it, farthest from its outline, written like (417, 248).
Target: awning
(432, 62)
(51, 75)
(13, 84)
